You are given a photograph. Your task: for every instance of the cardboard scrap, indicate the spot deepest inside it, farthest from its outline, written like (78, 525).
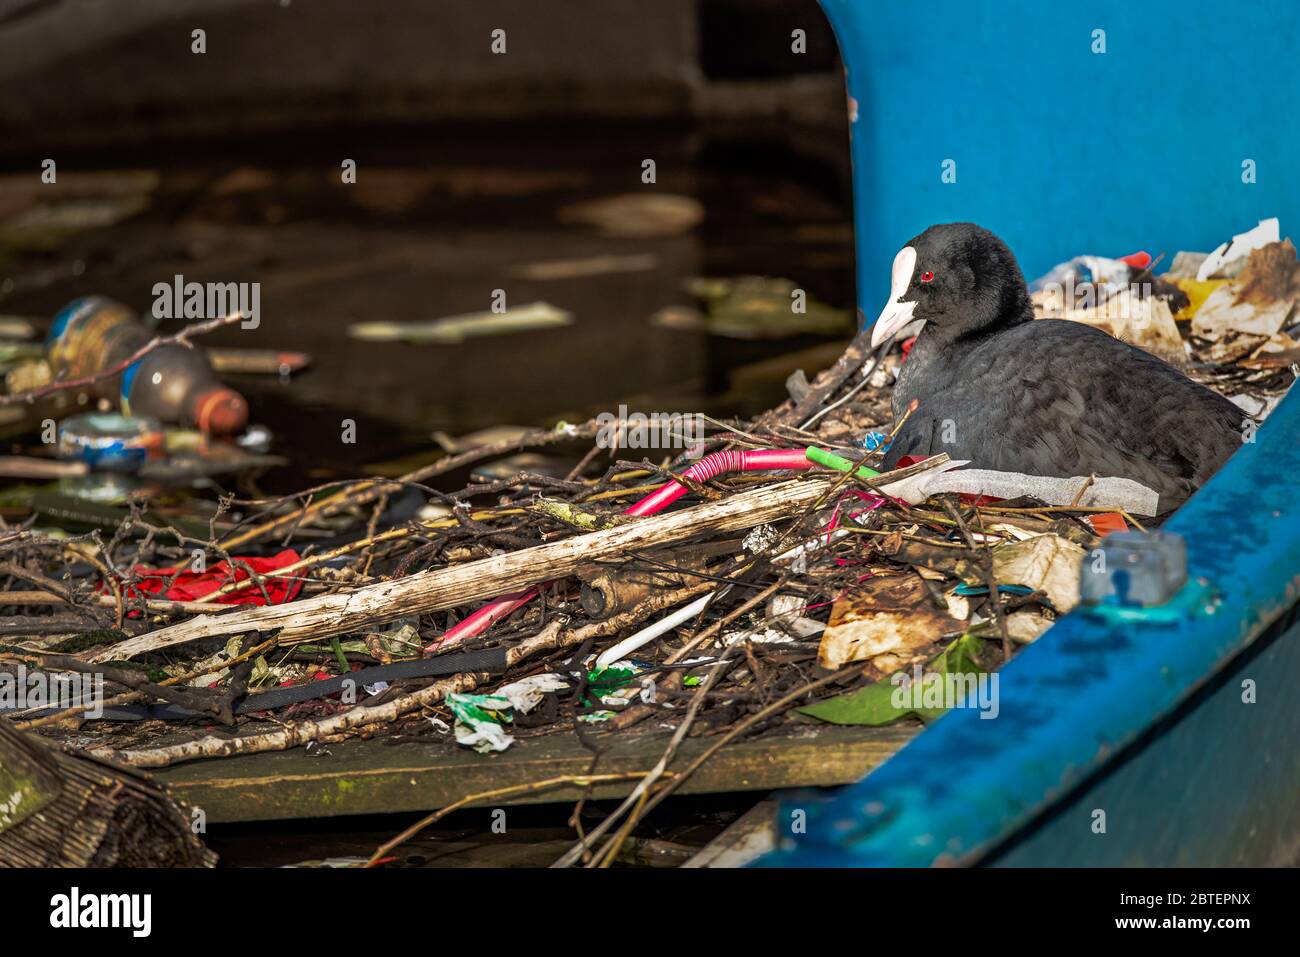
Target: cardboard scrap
(1258, 302)
(1046, 563)
(884, 616)
(1143, 321)
(1227, 255)
(1225, 312)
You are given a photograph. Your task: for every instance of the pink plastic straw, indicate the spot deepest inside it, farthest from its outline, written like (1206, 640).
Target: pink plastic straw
(711, 466)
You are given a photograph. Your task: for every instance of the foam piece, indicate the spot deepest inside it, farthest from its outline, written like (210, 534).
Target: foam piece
(1110, 492)
(913, 490)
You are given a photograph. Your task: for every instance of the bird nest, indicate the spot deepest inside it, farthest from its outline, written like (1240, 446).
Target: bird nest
(760, 599)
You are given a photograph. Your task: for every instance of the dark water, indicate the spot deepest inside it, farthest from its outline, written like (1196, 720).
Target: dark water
(432, 226)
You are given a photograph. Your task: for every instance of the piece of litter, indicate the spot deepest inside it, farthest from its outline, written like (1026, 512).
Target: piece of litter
(786, 614)
(760, 539)
(1108, 492)
(636, 215)
(761, 636)
(589, 266)
(1092, 270)
(477, 723)
(875, 441)
(453, 329)
(527, 693)
(884, 615)
(1221, 313)
(1025, 626)
(1238, 247)
(1046, 563)
(1107, 523)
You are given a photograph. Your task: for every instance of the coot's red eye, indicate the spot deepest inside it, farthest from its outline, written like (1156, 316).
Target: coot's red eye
(927, 276)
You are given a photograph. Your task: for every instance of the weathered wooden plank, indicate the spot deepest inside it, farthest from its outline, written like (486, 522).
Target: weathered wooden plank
(748, 838)
(367, 777)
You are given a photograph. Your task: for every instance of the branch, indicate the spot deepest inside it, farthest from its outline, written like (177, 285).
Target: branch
(180, 338)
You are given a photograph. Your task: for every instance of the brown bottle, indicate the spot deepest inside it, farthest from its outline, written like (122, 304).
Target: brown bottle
(172, 383)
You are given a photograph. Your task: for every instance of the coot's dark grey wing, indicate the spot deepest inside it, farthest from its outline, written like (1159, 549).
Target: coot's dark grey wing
(1058, 398)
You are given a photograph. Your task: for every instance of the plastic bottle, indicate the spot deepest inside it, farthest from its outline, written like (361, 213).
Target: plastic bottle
(171, 383)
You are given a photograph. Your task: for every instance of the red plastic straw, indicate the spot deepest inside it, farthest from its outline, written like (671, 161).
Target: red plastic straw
(711, 466)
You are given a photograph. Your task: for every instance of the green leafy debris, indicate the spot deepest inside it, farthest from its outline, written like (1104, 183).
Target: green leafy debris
(875, 705)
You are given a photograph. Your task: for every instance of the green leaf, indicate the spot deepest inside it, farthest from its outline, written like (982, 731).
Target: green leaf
(874, 705)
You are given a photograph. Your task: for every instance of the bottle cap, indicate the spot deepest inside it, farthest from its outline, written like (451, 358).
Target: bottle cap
(110, 442)
(221, 411)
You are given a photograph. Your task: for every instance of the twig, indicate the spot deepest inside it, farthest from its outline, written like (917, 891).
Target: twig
(579, 780)
(650, 776)
(180, 338)
(775, 707)
(359, 493)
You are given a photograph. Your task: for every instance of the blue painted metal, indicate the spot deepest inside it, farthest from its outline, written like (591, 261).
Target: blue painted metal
(1095, 684)
(1062, 151)
(1218, 786)
(1059, 150)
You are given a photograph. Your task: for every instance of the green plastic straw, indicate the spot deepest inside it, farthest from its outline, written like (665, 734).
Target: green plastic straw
(832, 461)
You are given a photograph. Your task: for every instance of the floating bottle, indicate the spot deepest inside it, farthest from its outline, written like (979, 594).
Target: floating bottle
(171, 383)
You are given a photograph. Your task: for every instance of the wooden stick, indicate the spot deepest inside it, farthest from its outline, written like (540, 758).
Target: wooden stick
(581, 780)
(161, 606)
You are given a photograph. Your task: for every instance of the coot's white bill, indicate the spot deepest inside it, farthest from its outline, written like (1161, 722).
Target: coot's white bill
(896, 313)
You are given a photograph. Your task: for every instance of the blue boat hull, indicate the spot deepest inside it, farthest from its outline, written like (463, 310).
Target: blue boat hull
(1159, 740)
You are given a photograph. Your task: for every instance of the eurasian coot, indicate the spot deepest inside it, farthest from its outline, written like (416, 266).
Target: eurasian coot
(1049, 396)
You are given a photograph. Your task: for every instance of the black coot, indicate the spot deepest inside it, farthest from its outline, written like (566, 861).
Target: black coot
(1048, 397)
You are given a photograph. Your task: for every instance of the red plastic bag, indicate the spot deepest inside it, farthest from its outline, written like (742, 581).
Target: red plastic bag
(191, 586)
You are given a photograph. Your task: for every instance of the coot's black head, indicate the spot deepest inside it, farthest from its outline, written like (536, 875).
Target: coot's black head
(960, 279)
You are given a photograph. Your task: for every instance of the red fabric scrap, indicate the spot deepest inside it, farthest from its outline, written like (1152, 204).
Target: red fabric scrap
(1105, 523)
(191, 586)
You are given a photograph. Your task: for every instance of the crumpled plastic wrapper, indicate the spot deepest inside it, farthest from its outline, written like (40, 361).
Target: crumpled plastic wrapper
(1109, 492)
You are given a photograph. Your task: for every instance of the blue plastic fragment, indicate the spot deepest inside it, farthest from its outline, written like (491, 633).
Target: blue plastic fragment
(875, 442)
(965, 589)
(109, 442)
